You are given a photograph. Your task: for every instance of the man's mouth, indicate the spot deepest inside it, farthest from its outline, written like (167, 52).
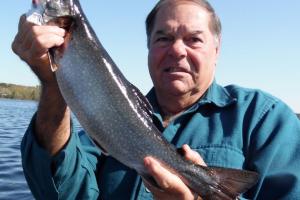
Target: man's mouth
(175, 69)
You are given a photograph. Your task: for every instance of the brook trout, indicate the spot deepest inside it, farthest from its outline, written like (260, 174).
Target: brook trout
(115, 114)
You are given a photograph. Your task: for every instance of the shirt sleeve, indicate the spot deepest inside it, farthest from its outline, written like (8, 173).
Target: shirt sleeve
(68, 175)
(274, 153)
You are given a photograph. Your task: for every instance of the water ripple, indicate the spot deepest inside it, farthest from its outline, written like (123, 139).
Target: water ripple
(15, 116)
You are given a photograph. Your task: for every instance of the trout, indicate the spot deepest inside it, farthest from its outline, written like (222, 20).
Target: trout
(114, 113)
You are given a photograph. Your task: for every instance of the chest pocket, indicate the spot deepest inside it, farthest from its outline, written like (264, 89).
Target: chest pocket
(221, 156)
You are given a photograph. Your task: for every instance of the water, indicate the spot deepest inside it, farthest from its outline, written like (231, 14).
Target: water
(15, 116)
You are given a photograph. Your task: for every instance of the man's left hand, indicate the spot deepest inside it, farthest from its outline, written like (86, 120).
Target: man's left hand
(170, 185)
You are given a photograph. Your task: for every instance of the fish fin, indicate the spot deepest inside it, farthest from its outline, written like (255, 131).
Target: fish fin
(142, 101)
(234, 181)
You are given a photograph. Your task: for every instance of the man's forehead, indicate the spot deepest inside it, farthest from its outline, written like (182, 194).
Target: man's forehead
(174, 3)
(179, 31)
(187, 20)
(166, 31)
(168, 9)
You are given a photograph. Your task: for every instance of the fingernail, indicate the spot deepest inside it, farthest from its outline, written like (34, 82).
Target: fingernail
(186, 146)
(147, 161)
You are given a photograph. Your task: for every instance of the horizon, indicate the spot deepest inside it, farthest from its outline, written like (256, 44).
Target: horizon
(297, 113)
(260, 44)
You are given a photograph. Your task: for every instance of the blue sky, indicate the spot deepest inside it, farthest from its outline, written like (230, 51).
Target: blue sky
(260, 43)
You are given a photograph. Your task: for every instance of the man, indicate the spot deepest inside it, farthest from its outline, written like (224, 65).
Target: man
(228, 126)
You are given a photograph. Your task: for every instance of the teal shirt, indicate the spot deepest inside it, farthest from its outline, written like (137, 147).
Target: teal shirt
(230, 127)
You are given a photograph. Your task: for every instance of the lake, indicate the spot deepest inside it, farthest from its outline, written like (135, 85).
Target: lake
(15, 116)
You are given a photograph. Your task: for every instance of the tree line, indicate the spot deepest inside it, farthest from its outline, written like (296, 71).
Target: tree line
(13, 91)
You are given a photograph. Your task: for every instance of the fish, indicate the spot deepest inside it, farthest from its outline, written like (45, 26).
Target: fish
(115, 114)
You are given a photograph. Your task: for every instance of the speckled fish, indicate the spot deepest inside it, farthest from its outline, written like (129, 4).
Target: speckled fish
(114, 113)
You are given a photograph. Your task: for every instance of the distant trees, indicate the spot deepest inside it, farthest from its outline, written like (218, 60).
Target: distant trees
(19, 92)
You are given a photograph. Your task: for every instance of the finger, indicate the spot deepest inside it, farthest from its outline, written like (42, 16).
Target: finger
(43, 43)
(38, 30)
(46, 36)
(163, 177)
(23, 38)
(37, 54)
(157, 192)
(193, 156)
(154, 190)
(158, 172)
(22, 31)
(24, 28)
(169, 182)
(36, 45)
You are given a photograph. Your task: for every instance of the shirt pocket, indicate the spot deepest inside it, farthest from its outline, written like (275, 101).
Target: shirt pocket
(221, 156)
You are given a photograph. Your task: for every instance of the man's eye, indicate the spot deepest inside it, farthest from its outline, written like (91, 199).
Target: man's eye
(196, 39)
(162, 39)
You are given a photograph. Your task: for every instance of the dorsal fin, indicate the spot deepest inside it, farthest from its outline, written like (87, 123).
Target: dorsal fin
(142, 102)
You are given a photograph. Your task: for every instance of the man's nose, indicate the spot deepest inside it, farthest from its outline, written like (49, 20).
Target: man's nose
(178, 49)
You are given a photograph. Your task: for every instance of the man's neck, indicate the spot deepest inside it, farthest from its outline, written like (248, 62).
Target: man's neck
(173, 105)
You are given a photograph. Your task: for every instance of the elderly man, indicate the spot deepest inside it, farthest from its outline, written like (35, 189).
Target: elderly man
(228, 126)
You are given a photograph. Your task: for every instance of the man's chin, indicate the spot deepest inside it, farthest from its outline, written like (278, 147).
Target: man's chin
(176, 89)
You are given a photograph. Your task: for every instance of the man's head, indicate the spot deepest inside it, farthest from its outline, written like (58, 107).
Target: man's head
(183, 40)
(214, 24)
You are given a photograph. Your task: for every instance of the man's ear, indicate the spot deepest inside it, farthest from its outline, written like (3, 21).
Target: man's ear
(218, 44)
(218, 47)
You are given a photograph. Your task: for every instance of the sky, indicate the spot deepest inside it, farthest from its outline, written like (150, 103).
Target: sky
(260, 43)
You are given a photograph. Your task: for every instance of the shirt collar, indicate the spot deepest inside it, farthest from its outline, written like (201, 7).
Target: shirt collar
(215, 95)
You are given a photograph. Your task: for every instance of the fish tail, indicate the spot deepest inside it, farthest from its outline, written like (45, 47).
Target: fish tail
(230, 183)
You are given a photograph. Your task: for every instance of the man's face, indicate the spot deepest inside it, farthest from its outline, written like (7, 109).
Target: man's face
(182, 50)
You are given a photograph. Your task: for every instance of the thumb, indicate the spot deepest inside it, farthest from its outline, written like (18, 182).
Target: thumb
(191, 155)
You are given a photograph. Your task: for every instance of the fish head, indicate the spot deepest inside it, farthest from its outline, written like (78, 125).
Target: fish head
(60, 13)
(59, 8)
(53, 9)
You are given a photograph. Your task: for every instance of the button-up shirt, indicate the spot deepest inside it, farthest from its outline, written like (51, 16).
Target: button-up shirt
(229, 126)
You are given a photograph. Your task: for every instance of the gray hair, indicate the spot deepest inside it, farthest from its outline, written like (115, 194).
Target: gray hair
(214, 24)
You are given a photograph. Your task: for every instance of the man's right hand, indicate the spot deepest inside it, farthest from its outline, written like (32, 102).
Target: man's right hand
(32, 43)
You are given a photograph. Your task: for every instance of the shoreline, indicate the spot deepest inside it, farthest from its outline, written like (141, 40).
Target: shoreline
(13, 91)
